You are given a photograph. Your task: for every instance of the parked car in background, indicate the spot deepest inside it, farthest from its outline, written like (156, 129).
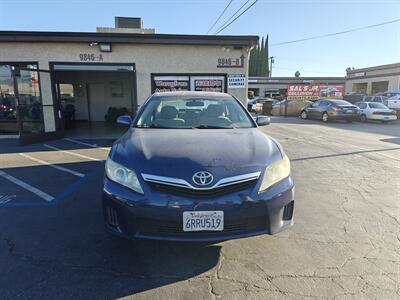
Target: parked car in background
(330, 109)
(375, 111)
(353, 97)
(375, 98)
(392, 102)
(289, 107)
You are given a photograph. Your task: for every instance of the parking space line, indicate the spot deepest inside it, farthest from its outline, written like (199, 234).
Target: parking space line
(86, 144)
(52, 165)
(26, 186)
(73, 153)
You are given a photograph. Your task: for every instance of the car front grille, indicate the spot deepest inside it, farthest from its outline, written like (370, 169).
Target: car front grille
(161, 227)
(195, 193)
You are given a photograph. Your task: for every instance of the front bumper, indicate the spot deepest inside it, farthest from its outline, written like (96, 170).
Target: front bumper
(159, 215)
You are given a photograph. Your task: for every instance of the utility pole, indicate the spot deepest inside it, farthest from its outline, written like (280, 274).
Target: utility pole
(272, 60)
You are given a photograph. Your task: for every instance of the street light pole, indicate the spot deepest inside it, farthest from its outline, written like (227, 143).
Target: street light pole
(272, 60)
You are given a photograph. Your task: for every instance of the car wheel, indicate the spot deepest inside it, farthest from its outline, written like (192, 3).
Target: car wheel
(363, 118)
(303, 115)
(325, 117)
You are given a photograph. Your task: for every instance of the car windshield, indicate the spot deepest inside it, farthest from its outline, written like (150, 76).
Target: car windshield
(340, 102)
(376, 105)
(193, 112)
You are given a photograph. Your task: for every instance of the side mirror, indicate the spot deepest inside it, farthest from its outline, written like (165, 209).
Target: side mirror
(263, 120)
(125, 120)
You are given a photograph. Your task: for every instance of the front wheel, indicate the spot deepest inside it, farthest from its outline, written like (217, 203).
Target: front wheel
(325, 117)
(363, 118)
(303, 115)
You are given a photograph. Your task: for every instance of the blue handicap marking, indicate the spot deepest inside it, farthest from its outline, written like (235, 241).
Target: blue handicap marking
(7, 200)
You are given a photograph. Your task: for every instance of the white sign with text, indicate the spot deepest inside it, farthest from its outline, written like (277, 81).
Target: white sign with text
(236, 81)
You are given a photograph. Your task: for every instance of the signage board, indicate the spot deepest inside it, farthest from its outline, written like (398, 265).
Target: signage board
(314, 91)
(236, 81)
(171, 83)
(208, 85)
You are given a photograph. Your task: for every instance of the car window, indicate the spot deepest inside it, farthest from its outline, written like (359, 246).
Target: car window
(362, 105)
(340, 102)
(368, 98)
(377, 105)
(188, 112)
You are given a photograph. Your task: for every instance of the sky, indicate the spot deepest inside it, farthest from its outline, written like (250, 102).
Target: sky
(282, 20)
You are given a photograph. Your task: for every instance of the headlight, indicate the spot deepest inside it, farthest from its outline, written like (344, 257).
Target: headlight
(123, 176)
(276, 172)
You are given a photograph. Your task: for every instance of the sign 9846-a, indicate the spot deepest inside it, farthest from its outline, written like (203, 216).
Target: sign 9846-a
(90, 57)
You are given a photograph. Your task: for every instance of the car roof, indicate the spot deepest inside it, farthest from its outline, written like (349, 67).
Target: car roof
(192, 94)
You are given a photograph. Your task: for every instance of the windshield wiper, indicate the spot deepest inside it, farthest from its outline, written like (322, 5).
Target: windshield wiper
(211, 127)
(153, 126)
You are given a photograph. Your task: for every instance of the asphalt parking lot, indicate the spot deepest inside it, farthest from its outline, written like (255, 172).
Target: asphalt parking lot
(345, 243)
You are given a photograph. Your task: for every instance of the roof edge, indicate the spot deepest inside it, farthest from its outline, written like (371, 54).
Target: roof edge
(139, 38)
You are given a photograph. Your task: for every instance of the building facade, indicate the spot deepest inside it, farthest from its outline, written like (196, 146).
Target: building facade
(373, 80)
(45, 74)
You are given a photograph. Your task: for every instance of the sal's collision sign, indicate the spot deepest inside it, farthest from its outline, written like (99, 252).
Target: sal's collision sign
(314, 92)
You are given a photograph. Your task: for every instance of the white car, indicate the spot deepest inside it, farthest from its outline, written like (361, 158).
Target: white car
(375, 111)
(392, 102)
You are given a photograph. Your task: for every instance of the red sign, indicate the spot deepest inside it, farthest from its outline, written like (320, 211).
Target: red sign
(314, 92)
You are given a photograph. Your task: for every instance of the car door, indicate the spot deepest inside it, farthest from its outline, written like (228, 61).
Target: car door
(322, 107)
(312, 110)
(363, 108)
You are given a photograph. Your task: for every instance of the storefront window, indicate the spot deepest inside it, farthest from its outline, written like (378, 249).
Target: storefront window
(28, 104)
(8, 102)
(206, 83)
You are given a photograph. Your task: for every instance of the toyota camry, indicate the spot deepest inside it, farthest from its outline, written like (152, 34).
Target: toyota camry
(194, 166)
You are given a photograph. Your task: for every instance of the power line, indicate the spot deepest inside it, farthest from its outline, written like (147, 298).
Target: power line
(226, 7)
(233, 15)
(227, 25)
(336, 33)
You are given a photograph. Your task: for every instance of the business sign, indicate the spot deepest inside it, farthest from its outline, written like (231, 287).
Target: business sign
(230, 62)
(208, 85)
(171, 83)
(236, 81)
(314, 92)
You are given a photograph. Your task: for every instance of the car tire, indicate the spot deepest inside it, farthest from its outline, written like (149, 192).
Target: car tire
(325, 117)
(303, 115)
(363, 118)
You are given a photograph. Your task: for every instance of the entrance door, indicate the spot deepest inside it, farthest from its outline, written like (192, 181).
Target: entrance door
(97, 102)
(38, 115)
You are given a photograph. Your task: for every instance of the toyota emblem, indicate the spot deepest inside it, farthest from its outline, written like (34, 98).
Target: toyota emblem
(202, 178)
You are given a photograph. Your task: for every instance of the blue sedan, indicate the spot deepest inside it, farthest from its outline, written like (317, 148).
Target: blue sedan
(194, 166)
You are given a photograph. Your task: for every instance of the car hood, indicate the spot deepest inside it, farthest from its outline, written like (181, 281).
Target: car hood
(180, 153)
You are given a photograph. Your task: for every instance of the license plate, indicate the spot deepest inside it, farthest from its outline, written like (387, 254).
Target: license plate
(203, 220)
(386, 118)
(349, 111)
